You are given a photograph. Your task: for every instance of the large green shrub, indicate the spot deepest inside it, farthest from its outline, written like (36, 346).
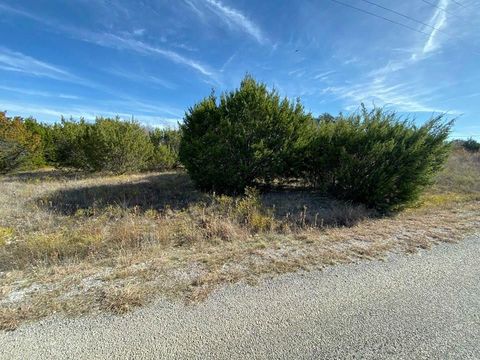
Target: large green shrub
(19, 147)
(250, 135)
(376, 158)
(69, 142)
(117, 146)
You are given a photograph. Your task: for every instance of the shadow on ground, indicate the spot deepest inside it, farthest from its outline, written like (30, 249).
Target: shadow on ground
(175, 191)
(158, 192)
(49, 175)
(313, 208)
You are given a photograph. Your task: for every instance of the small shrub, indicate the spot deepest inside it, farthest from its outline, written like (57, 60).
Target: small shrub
(471, 145)
(58, 246)
(6, 235)
(106, 145)
(165, 149)
(166, 143)
(120, 300)
(247, 210)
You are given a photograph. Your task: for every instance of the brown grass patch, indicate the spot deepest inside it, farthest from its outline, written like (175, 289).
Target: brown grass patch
(123, 299)
(72, 243)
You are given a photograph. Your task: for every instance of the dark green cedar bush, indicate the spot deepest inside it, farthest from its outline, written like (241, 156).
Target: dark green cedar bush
(252, 136)
(249, 135)
(376, 158)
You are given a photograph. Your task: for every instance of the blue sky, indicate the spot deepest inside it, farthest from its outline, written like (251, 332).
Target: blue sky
(152, 59)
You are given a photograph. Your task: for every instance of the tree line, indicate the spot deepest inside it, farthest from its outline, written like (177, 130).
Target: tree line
(108, 144)
(246, 137)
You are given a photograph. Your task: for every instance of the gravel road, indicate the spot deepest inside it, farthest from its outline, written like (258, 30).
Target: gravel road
(409, 307)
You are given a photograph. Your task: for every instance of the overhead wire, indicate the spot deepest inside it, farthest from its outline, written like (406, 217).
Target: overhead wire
(440, 8)
(380, 17)
(400, 23)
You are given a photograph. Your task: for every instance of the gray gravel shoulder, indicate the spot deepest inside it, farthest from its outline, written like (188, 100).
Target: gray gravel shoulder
(425, 305)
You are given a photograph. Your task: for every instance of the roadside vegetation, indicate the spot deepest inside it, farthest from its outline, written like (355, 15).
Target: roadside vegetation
(108, 145)
(252, 136)
(266, 189)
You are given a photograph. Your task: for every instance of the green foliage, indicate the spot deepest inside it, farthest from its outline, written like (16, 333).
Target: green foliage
(117, 146)
(106, 145)
(46, 153)
(166, 143)
(376, 158)
(69, 142)
(471, 145)
(325, 117)
(19, 148)
(250, 135)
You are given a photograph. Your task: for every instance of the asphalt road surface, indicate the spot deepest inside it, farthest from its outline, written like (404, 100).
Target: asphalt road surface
(423, 306)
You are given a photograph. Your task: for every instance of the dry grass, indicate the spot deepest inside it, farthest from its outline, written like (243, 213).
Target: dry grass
(123, 299)
(461, 174)
(72, 243)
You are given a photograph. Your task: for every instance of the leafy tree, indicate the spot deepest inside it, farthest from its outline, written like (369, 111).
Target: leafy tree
(250, 135)
(19, 148)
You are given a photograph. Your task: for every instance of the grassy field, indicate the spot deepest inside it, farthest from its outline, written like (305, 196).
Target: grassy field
(74, 243)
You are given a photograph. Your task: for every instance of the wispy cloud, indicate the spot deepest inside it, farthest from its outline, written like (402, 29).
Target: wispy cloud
(349, 61)
(119, 42)
(234, 17)
(116, 41)
(18, 62)
(136, 106)
(404, 96)
(438, 21)
(195, 9)
(228, 62)
(20, 12)
(31, 92)
(139, 32)
(297, 72)
(418, 53)
(15, 61)
(324, 75)
(141, 78)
